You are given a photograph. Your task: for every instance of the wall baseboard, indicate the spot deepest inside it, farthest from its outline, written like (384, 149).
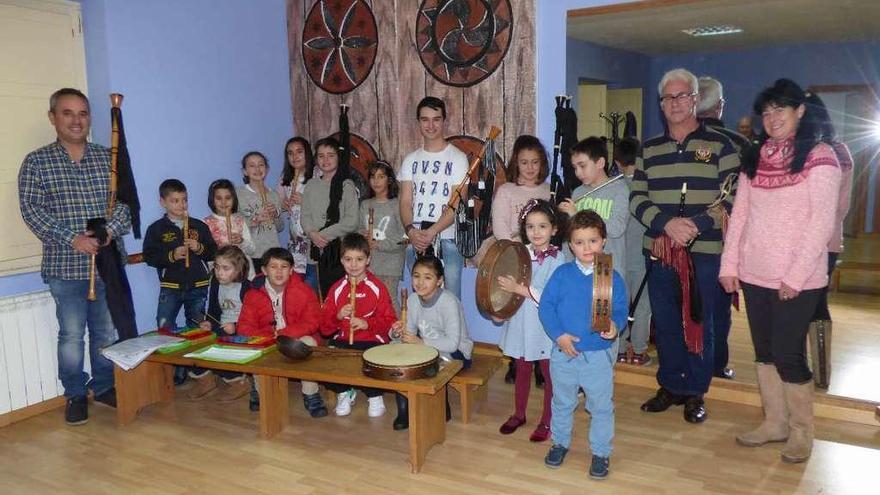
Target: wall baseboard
(32, 410)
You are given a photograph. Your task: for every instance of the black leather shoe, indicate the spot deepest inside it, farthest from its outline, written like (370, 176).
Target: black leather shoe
(726, 373)
(695, 409)
(77, 411)
(662, 401)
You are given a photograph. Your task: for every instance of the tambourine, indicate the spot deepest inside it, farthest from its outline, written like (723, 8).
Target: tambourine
(503, 258)
(603, 273)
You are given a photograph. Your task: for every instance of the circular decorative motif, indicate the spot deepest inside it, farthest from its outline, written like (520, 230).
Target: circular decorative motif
(461, 42)
(339, 44)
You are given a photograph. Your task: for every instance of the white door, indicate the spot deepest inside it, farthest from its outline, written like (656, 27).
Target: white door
(42, 51)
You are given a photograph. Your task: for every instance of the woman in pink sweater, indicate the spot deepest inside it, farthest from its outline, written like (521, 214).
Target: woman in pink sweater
(776, 251)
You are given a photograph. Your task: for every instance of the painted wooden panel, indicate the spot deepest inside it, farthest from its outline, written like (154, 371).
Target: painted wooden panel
(383, 107)
(410, 79)
(520, 79)
(299, 94)
(385, 72)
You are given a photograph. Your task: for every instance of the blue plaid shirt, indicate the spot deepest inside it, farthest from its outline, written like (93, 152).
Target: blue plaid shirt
(57, 196)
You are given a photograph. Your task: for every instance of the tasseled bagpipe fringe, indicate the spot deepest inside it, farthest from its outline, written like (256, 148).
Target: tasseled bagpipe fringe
(677, 257)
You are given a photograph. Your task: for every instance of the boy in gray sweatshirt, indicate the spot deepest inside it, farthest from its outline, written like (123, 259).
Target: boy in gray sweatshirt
(609, 197)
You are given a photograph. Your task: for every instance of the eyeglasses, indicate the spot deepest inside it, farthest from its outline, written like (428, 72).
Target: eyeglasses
(679, 98)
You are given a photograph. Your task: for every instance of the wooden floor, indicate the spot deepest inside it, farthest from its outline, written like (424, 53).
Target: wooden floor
(190, 448)
(855, 352)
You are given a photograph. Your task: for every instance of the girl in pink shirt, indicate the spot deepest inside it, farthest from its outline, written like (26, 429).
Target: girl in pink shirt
(527, 172)
(776, 251)
(526, 179)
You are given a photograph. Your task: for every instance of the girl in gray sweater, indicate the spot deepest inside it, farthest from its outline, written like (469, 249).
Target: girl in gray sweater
(434, 318)
(434, 315)
(329, 211)
(386, 231)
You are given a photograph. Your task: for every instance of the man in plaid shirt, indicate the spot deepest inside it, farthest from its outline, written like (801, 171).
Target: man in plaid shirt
(61, 186)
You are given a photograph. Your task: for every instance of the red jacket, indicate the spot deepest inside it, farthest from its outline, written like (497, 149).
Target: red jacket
(372, 304)
(302, 312)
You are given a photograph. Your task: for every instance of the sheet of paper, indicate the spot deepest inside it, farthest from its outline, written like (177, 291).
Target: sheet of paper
(215, 353)
(130, 353)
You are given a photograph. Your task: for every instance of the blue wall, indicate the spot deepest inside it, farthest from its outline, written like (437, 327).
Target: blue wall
(204, 82)
(596, 63)
(744, 73)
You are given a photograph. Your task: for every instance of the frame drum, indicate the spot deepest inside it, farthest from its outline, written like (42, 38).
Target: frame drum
(401, 362)
(505, 257)
(603, 273)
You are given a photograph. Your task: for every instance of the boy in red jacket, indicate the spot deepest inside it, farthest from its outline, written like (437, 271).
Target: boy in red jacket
(370, 322)
(284, 305)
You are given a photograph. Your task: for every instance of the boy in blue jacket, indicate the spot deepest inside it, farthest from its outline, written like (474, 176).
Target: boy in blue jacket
(581, 357)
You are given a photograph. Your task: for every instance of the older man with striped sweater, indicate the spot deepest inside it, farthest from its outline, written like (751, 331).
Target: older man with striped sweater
(687, 153)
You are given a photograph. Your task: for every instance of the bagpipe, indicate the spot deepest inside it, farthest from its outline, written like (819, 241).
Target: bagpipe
(108, 261)
(473, 217)
(564, 137)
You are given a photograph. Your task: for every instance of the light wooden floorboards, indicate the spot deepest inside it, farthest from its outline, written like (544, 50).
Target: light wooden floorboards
(855, 346)
(189, 448)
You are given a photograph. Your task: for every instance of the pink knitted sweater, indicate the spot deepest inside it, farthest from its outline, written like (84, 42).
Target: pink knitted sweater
(508, 203)
(781, 222)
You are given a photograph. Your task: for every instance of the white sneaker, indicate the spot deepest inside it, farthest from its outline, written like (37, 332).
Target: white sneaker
(344, 401)
(376, 407)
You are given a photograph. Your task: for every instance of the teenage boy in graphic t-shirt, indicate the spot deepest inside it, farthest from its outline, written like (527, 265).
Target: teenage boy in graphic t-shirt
(428, 177)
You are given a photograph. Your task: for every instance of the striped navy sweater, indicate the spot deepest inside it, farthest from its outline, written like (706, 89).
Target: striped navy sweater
(703, 160)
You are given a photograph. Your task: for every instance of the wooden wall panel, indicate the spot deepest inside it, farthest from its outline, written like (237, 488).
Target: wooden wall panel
(410, 79)
(520, 78)
(299, 81)
(386, 72)
(362, 100)
(485, 104)
(383, 107)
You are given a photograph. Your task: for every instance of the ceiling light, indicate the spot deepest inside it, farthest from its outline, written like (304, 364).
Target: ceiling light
(712, 30)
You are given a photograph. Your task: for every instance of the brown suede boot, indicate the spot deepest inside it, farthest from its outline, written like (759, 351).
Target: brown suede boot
(204, 385)
(234, 389)
(774, 428)
(799, 397)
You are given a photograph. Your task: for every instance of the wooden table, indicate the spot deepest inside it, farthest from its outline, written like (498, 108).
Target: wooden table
(152, 381)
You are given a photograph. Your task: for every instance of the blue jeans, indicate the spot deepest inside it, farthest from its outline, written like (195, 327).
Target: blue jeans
(75, 312)
(453, 263)
(721, 329)
(594, 372)
(682, 372)
(311, 276)
(170, 300)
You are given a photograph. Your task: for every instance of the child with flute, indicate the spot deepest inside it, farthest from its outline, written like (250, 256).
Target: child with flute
(357, 314)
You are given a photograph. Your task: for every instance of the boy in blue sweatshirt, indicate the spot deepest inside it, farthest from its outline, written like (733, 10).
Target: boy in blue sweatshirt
(581, 357)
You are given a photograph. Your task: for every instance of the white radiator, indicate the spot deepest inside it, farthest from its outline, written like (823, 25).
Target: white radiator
(29, 351)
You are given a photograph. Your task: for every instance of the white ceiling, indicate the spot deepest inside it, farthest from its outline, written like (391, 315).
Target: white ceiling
(657, 30)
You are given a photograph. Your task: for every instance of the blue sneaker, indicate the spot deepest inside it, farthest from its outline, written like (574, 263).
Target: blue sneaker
(555, 456)
(599, 467)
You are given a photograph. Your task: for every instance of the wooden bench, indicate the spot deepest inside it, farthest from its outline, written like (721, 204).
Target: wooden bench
(152, 382)
(850, 266)
(472, 383)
